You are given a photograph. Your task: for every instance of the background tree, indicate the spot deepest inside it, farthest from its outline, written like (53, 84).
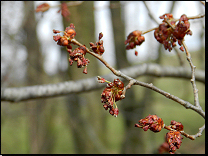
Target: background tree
(77, 123)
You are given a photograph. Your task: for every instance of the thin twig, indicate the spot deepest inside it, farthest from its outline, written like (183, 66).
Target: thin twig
(198, 16)
(195, 90)
(179, 56)
(131, 82)
(169, 24)
(199, 132)
(144, 32)
(186, 104)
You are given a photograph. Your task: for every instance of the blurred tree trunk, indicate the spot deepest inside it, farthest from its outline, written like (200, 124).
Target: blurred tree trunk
(84, 114)
(39, 126)
(133, 138)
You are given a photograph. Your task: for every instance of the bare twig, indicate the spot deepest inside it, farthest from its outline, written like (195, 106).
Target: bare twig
(186, 104)
(198, 16)
(195, 90)
(131, 82)
(201, 129)
(169, 24)
(144, 32)
(179, 56)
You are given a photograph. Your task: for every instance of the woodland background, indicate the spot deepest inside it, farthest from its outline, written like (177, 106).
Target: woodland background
(77, 123)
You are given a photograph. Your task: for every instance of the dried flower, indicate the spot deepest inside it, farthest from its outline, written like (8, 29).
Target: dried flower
(176, 125)
(111, 94)
(98, 46)
(70, 31)
(133, 39)
(65, 40)
(152, 122)
(78, 56)
(174, 141)
(167, 35)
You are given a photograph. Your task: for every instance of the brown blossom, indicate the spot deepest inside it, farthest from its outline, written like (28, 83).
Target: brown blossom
(152, 122)
(174, 141)
(111, 94)
(168, 35)
(98, 46)
(133, 39)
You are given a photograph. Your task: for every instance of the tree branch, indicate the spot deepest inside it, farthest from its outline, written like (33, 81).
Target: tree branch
(69, 87)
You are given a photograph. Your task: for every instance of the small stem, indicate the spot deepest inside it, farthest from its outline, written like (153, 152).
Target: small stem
(169, 24)
(131, 82)
(144, 32)
(179, 56)
(195, 17)
(195, 90)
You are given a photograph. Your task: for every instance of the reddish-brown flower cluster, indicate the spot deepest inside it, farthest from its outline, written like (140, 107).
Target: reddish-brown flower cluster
(176, 125)
(173, 139)
(182, 28)
(167, 35)
(133, 39)
(98, 46)
(79, 53)
(64, 11)
(69, 34)
(152, 122)
(111, 94)
(78, 56)
(42, 8)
